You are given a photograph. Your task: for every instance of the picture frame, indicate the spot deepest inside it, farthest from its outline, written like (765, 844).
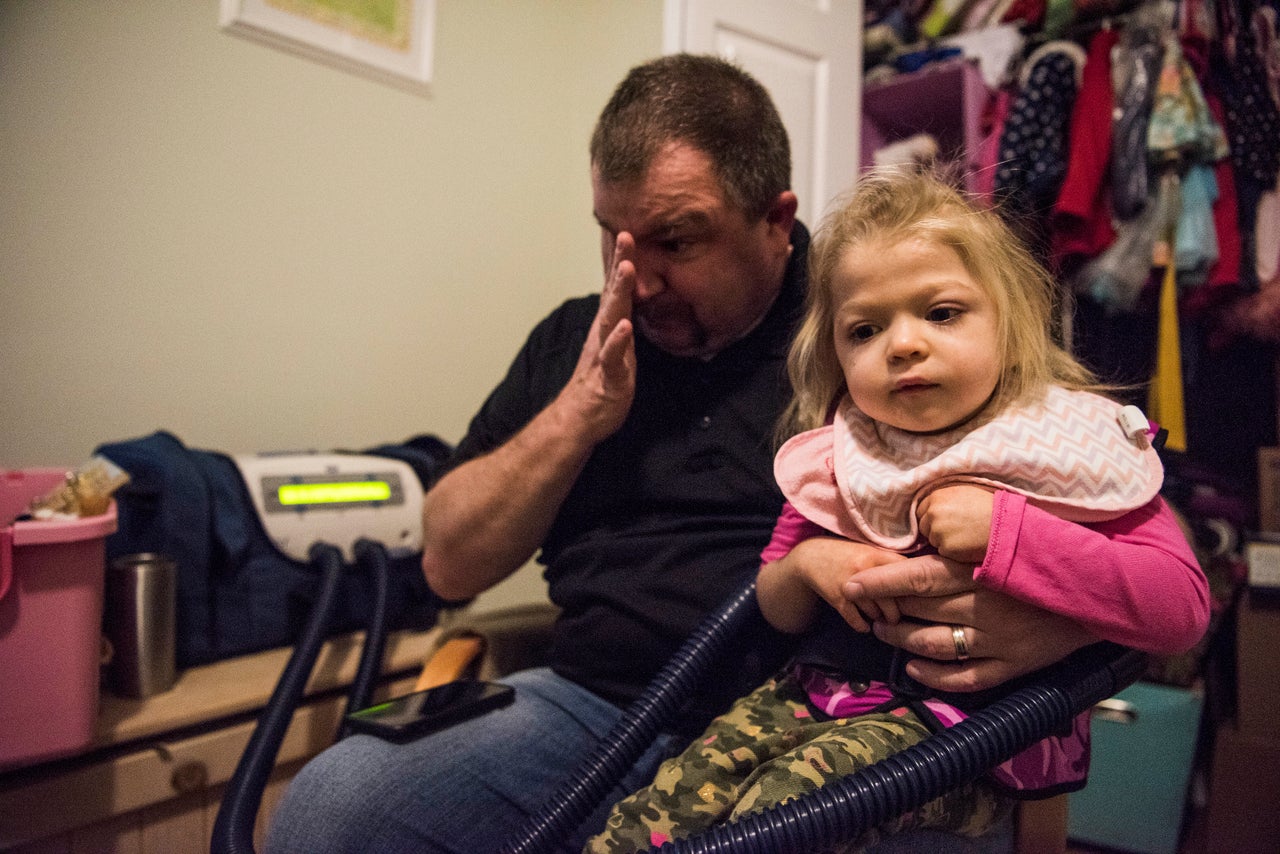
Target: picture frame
(388, 40)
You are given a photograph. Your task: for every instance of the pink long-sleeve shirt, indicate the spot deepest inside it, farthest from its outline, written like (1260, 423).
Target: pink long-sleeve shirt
(1133, 580)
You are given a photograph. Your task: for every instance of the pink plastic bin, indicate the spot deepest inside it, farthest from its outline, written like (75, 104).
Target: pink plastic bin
(51, 580)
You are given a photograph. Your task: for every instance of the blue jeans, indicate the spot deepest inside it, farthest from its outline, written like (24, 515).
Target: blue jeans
(465, 789)
(470, 787)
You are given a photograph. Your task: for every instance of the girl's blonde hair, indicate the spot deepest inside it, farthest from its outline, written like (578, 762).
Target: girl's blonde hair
(905, 203)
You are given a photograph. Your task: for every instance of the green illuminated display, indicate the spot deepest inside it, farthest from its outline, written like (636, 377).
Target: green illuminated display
(352, 492)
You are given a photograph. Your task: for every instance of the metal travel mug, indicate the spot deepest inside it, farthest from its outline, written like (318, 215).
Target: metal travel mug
(139, 618)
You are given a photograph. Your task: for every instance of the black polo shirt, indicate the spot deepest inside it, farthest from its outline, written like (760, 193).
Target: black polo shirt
(670, 514)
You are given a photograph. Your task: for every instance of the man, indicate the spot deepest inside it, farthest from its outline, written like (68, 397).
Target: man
(631, 442)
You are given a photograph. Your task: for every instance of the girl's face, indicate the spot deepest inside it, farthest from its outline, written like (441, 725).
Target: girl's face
(915, 335)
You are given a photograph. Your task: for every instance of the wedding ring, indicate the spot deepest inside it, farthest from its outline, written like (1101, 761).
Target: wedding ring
(962, 645)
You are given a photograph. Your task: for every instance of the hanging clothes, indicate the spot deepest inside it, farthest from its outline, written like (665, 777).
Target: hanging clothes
(1257, 315)
(988, 157)
(1030, 13)
(1224, 275)
(1268, 235)
(1082, 215)
(1135, 70)
(1035, 137)
(1181, 130)
(1268, 45)
(1058, 15)
(1253, 126)
(1117, 277)
(1195, 244)
(1222, 284)
(1183, 135)
(1253, 116)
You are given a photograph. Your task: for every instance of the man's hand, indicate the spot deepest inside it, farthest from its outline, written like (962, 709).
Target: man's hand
(1006, 638)
(484, 519)
(603, 384)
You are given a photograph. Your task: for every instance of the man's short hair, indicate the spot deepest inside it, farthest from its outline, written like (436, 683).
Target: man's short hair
(707, 103)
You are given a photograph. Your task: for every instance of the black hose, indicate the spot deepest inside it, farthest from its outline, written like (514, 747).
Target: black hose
(372, 556)
(847, 808)
(841, 811)
(644, 719)
(233, 828)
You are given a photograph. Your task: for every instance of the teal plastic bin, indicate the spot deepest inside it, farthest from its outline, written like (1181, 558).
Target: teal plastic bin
(1144, 745)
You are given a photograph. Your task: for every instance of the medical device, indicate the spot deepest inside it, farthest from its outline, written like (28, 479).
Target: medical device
(336, 512)
(339, 499)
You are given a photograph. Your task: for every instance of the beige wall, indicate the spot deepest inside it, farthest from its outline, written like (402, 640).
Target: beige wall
(257, 251)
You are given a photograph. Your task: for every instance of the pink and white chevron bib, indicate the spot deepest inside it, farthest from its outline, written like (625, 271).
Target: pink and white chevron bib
(1068, 454)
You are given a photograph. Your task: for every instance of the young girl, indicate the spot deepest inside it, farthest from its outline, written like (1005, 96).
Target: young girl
(931, 411)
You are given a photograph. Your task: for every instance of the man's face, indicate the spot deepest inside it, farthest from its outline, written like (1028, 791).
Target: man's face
(705, 274)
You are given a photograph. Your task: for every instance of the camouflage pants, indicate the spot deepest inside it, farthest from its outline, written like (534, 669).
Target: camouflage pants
(768, 749)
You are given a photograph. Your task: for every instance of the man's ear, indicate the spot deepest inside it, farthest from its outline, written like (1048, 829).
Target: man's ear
(782, 213)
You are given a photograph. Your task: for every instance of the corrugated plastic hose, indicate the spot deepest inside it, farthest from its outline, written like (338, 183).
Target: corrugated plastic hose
(233, 828)
(845, 809)
(644, 719)
(372, 556)
(842, 811)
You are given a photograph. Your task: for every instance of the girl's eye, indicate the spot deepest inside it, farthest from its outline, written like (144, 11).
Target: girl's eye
(861, 332)
(942, 314)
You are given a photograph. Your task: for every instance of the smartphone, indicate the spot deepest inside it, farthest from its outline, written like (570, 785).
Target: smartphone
(421, 712)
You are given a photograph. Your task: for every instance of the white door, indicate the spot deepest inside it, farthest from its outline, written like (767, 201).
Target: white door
(808, 54)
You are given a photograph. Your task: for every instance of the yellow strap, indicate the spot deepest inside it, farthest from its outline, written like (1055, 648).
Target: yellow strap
(451, 660)
(1164, 396)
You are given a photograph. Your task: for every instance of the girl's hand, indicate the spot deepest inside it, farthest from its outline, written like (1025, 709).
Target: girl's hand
(956, 520)
(792, 588)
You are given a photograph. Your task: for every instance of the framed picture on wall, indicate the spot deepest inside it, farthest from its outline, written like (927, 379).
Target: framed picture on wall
(390, 40)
